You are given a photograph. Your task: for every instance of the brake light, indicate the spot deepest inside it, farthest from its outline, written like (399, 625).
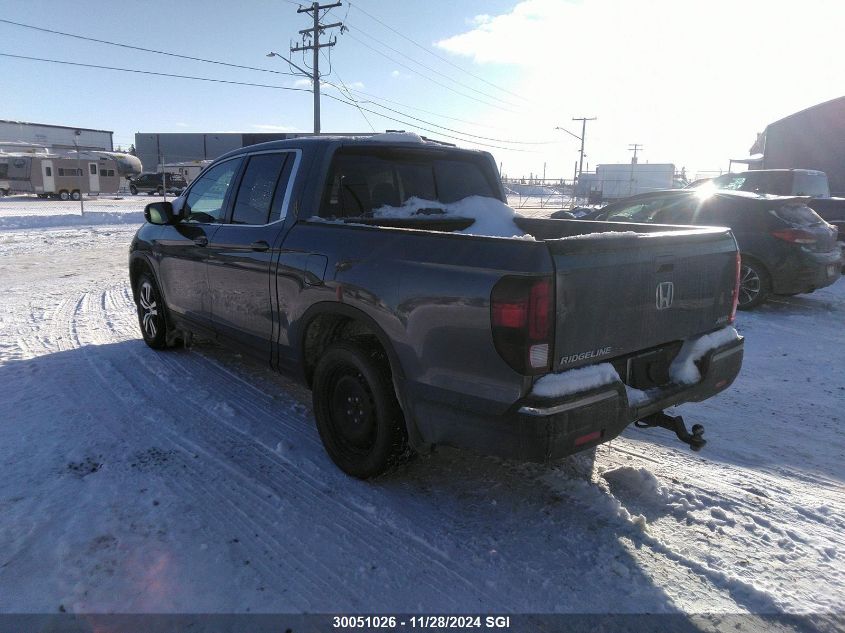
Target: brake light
(522, 320)
(735, 300)
(795, 236)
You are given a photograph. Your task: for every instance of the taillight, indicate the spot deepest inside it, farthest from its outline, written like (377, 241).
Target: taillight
(522, 320)
(795, 236)
(736, 288)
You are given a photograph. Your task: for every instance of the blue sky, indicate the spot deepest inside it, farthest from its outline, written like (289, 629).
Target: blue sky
(692, 81)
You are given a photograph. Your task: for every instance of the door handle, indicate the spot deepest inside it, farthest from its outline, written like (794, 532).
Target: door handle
(260, 246)
(202, 240)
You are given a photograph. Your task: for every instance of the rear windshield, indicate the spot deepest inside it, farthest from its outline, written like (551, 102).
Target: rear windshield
(810, 185)
(364, 179)
(798, 215)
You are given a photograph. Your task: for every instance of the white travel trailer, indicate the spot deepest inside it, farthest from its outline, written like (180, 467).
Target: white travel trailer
(623, 180)
(65, 175)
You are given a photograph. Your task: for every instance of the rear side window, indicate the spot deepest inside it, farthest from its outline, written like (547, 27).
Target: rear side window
(362, 180)
(256, 194)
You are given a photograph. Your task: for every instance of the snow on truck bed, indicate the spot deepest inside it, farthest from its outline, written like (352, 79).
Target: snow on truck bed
(125, 490)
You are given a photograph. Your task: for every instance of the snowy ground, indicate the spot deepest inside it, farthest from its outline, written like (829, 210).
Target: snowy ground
(136, 481)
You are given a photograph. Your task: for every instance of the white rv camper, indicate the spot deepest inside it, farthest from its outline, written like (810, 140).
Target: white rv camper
(66, 175)
(623, 180)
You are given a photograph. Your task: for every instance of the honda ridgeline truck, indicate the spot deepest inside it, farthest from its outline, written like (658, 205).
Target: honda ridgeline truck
(383, 273)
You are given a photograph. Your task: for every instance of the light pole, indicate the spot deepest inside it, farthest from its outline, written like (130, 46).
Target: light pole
(76, 136)
(576, 174)
(315, 83)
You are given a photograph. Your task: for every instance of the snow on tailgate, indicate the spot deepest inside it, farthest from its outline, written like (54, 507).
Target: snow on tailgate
(568, 382)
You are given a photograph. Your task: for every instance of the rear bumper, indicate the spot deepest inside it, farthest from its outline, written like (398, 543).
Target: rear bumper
(541, 430)
(807, 272)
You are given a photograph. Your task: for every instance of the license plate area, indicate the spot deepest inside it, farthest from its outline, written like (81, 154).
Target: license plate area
(649, 369)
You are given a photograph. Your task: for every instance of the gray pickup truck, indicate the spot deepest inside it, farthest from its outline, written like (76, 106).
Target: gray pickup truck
(388, 276)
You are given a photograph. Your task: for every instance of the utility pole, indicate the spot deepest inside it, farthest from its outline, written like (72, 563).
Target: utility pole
(314, 32)
(633, 147)
(583, 135)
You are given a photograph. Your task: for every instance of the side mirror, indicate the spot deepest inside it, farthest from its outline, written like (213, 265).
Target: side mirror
(160, 213)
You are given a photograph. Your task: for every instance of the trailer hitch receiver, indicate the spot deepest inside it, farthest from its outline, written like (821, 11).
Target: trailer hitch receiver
(695, 438)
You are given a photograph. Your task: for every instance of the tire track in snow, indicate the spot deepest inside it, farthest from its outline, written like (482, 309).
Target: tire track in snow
(363, 524)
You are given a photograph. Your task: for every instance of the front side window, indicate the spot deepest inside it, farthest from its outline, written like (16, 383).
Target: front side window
(257, 192)
(207, 197)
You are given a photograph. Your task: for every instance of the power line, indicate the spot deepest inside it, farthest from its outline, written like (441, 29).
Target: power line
(456, 138)
(146, 50)
(257, 85)
(346, 91)
(432, 80)
(430, 52)
(484, 138)
(405, 105)
(228, 64)
(150, 72)
(434, 70)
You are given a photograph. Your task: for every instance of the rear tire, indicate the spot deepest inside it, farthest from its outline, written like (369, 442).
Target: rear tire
(754, 284)
(76, 195)
(358, 417)
(159, 191)
(64, 195)
(151, 317)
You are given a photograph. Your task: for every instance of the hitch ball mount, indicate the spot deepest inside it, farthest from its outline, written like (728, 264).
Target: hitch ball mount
(695, 438)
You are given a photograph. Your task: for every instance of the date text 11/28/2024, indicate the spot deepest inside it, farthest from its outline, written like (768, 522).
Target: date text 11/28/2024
(390, 622)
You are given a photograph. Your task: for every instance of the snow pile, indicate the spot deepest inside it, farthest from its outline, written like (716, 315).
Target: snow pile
(605, 235)
(637, 397)
(568, 382)
(397, 137)
(492, 217)
(683, 370)
(89, 219)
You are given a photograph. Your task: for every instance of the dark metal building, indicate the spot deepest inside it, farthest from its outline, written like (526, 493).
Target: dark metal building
(810, 139)
(156, 148)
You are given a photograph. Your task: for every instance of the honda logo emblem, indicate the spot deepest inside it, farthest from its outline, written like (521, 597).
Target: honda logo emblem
(665, 295)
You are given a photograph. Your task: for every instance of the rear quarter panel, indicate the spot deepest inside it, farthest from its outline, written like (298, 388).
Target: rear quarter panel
(428, 292)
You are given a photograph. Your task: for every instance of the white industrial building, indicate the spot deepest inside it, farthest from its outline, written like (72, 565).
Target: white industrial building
(19, 135)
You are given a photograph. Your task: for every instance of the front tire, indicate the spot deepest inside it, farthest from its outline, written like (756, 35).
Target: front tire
(358, 417)
(75, 195)
(754, 284)
(133, 190)
(151, 312)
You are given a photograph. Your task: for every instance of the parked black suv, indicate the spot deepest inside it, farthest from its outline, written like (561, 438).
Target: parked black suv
(154, 183)
(786, 247)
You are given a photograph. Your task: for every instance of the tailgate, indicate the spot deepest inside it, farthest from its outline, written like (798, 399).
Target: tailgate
(621, 294)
